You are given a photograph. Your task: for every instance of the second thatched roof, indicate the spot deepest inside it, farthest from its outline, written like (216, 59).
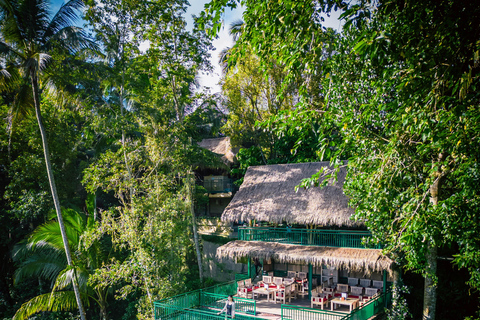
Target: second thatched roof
(357, 260)
(268, 194)
(220, 146)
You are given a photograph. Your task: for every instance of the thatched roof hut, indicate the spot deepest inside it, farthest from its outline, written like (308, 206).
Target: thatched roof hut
(268, 194)
(220, 146)
(356, 260)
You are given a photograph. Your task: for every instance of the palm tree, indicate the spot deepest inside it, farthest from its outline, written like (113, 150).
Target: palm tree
(27, 38)
(235, 30)
(42, 256)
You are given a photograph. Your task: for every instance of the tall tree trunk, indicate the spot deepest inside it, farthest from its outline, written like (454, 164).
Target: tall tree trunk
(191, 185)
(430, 289)
(53, 188)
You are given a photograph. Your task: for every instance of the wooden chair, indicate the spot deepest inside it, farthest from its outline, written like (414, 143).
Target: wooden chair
(370, 292)
(244, 292)
(321, 298)
(378, 284)
(328, 290)
(291, 274)
(240, 283)
(357, 291)
(267, 279)
(248, 283)
(327, 283)
(366, 299)
(342, 287)
(282, 295)
(303, 291)
(291, 281)
(278, 281)
(353, 281)
(365, 283)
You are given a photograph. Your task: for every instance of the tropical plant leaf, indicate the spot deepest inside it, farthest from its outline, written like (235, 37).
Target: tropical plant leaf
(55, 301)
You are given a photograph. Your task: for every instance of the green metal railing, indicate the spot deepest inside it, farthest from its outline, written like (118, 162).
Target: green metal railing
(187, 300)
(223, 288)
(364, 312)
(196, 314)
(290, 312)
(217, 301)
(241, 276)
(310, 237)
(203, 304)
(371, 308)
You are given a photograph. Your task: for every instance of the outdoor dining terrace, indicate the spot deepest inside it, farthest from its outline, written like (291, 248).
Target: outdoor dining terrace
(206, 303)
(309, 237)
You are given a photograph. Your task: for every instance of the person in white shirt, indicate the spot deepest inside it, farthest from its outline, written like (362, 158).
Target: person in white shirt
(229, 307)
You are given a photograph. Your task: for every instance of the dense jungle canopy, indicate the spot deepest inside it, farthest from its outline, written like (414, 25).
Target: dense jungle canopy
(99, 138)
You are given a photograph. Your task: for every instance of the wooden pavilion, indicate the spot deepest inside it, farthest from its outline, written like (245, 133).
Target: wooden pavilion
(325, 237)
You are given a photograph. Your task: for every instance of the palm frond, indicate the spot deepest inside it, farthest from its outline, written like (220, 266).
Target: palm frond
(23, 104)
(74, 39)
(69, 274)
(64, 279)
(43, 60)
(45, 264)
(7, 50)
(223, 59)
(47, 234)
(31, 19)
(11, 32)
(61, 94)
(4, 48)
(55, 301)
(236, 29)
(9, 78)
(66, 16)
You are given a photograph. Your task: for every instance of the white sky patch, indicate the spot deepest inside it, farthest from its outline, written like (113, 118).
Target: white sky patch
(333, 21)
(210, 81)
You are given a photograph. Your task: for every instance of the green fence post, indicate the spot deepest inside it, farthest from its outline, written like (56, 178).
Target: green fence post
(249, 266)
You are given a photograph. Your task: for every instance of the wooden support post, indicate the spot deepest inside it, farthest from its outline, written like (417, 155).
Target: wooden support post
(249, 267)
(310, 273)
(385, 287)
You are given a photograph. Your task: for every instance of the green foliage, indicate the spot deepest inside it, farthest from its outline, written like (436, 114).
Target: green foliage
(251, 97)
(247, 157)
(42, 256)
(399, 309)
(397, 97)
(410, 122)
(149, 153)
(205, 122)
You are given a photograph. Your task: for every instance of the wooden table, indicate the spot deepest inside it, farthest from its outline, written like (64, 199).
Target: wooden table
(264, 291)
(352, 303)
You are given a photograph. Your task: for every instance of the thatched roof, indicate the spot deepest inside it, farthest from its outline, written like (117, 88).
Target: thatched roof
(220, 146)
(268, 194)
(357, 260)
